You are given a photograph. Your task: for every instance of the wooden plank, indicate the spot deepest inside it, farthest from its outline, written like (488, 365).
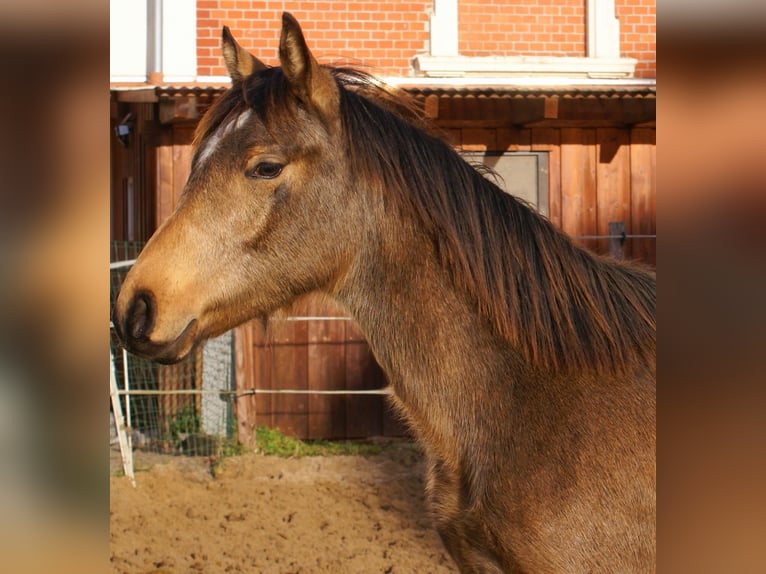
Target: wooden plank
(526, 110)
(263, 354)
(616, 239)
(643, 193)
(493, 108)
(183, 134)
(180, 108)
(473, 139)
(613, 184)
(182, 157)
(549, 140)
(445, 108)
(471, 107)
(500, 111)
(244, 406)
(119, 159)
(551, 107)
(143, 171)
(164, 182)
(326, 371)
(578, 181)
(455, 111)
(431, 107)
(513, 139)
(621, 111)
(289, 371)
(148, 95)
(144, 179)
(575, 123)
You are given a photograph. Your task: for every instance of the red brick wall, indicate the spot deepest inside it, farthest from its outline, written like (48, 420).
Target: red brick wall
(638, 34)
(383, 36)
(524, 27)
(379, 36)
(553, 28)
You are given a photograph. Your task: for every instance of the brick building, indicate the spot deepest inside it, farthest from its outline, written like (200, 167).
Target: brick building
(394, 39)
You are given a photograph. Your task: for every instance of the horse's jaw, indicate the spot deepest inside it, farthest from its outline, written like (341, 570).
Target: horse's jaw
(166, 352)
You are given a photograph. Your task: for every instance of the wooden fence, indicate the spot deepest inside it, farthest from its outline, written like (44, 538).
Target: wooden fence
(316, 348)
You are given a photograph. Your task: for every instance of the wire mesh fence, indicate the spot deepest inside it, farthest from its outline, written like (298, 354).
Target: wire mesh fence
(186, 408)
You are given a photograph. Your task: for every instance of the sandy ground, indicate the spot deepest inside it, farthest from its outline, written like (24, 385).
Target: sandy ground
(344, 514)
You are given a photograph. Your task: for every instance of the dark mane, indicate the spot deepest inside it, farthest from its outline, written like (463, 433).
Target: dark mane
(561, 306)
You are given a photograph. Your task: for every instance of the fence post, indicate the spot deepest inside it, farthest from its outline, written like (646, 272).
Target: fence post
(216, 376)
(126, 450)
(617, 239)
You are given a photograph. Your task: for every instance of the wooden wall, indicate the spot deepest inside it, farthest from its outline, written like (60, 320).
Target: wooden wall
(601, 150)
(326, 354)
(173, 156)
(595, 176)
(133, 164)
(156, 161)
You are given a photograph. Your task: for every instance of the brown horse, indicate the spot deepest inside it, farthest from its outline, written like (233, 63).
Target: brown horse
(524, 364)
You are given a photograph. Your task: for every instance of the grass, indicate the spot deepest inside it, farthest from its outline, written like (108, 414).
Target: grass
(272, 442)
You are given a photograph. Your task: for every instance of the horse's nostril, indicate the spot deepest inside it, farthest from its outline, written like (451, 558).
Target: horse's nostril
(140, 317)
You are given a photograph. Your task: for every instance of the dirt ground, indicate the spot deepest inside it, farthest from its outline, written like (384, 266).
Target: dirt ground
(341, 514)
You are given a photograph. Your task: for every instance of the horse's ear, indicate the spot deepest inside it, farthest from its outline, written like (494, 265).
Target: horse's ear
(239, 62)
(309, 82)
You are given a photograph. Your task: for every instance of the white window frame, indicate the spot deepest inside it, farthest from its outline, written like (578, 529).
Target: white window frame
(129, 53)
(602, 61)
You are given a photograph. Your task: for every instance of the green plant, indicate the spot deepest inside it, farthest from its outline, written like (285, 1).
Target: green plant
(232, 448)
(273, 442)
(186, 421)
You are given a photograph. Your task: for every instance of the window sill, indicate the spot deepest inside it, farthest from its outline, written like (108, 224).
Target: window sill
(522, 66)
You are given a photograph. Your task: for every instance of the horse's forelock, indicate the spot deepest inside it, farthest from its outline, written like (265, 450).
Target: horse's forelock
(222, 108)
(263, 92)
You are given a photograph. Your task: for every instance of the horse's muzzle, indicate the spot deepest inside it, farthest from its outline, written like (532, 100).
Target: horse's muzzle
(134, 328)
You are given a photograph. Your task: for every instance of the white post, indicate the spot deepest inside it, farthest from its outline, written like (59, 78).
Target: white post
(119, 422)
(128, 420)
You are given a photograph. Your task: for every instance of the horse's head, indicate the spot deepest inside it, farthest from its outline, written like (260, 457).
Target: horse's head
(258, 224)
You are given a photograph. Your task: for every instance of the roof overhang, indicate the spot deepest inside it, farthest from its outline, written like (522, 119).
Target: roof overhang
(529, 102)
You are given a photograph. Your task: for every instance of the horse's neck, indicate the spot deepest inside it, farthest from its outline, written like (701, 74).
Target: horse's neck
(425, 335)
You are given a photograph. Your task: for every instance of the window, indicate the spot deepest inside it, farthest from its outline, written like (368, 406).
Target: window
(602, 53)
(521, 174)
(152, 36)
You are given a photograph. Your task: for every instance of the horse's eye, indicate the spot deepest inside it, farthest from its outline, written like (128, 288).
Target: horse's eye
(266, 170)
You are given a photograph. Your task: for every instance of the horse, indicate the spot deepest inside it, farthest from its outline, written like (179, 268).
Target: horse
(524, 364)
